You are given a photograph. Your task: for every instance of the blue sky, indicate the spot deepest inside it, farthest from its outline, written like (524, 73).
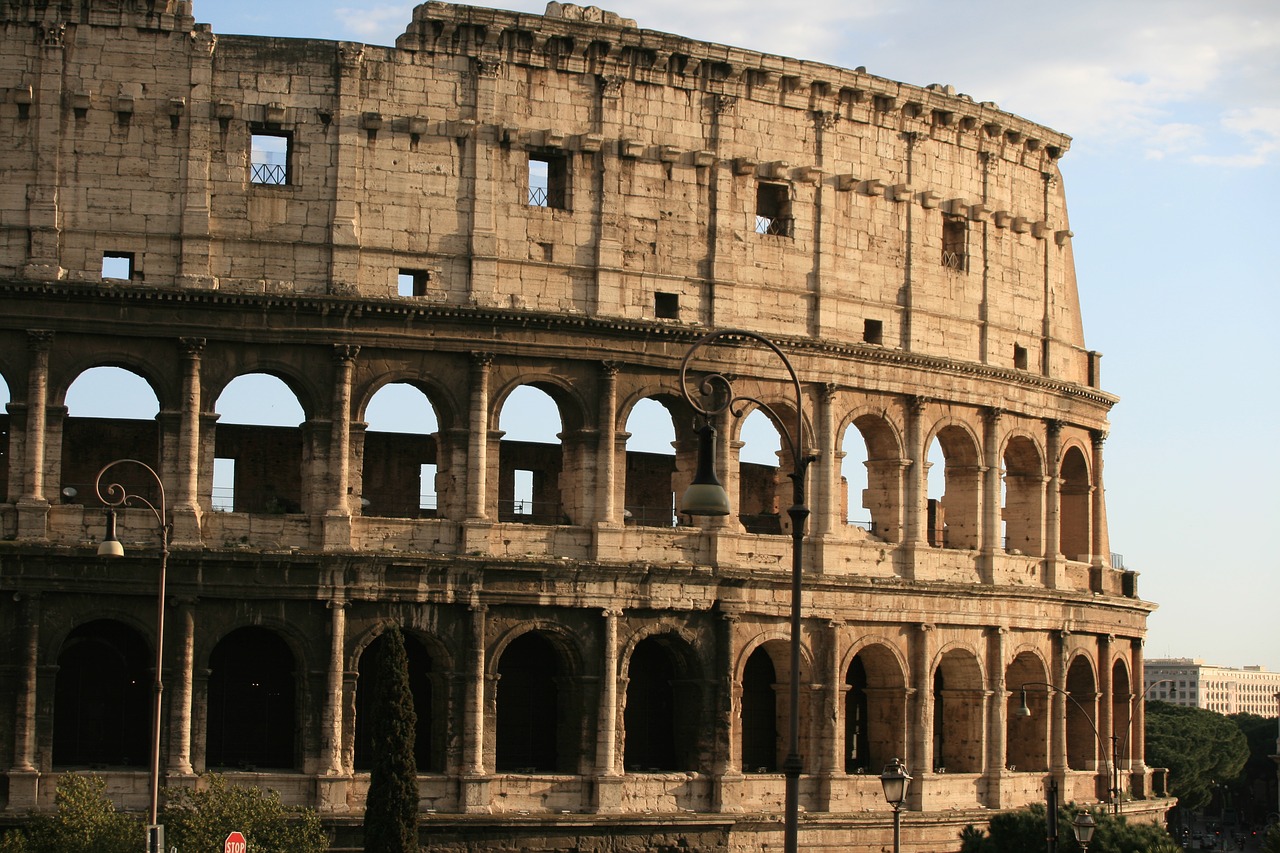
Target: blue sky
(1172, 185)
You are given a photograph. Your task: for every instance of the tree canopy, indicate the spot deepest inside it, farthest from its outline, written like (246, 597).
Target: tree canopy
(1199, 747)
(1024, 830)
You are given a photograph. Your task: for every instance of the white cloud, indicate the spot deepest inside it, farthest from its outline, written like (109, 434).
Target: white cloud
(381, 24)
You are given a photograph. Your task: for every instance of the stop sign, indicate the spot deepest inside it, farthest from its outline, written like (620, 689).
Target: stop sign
(235, 843)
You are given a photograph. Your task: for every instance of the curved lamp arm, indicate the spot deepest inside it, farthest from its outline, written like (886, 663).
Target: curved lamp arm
(1025, 711)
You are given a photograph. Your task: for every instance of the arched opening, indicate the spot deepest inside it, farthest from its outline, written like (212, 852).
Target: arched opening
(651, 466)
(400, 454)
(953, 517)
(1074, 505)
(874, 711)
(529, 712)
(101, 708)
(258, 448)
(761, 498)
(531, 459)
(663, 708)
(872, 469)
(428, 743)
(1023, 507)
(957, 714)
(1122, 711)
(252, 714)
(855, 481)
(760, 742)
(1027, 737)
(1082, 716)
(111, 414)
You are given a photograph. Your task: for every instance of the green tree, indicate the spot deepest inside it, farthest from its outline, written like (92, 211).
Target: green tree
(200, 819)
(1254, 793)
(1271, 842)
(1199, 747)
(391, 807)
(1024, 830)
(85, 821)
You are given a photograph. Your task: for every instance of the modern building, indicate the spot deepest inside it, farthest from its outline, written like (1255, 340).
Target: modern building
(1227, 690)
(565, 204)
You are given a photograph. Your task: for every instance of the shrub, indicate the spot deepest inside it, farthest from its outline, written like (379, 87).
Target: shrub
(85, 821)
(200, 819)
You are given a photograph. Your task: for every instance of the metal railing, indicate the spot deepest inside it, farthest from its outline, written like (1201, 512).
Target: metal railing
(272, 174)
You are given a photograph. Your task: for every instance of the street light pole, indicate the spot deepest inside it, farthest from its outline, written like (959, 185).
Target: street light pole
(1124, 744)
(707, 497)
(1025, 711)
(895, 780)
(115, 495)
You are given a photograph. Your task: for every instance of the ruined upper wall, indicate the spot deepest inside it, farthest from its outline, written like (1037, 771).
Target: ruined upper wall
(906, 217)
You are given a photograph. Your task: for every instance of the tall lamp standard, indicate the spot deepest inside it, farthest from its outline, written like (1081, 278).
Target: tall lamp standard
(115, 495)
(707, 497)
(1025, 711)
(1083, 826)
(895, 780)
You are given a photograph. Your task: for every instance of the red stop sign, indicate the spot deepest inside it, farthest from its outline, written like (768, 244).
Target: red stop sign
(235, 843)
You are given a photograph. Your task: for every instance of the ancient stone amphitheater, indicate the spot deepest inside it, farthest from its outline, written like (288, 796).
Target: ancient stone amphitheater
(564, 203)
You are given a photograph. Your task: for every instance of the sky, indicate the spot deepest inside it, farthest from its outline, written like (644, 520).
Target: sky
(1172, 182)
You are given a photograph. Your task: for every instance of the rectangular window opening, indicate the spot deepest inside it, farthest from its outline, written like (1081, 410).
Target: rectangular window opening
(666, 306)
(548, 180)
(773, 209)
(117, 265)
(412, 282)
(427, 497)
(224, 485)
(523, 496)
(269, 158)
(1019, 357)
(955, 243)
(873, 331)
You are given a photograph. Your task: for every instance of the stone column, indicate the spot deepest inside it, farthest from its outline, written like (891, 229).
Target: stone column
(1058, 702)
(921, 715)
(475, 785)
(43, 215)
(23, 776)
(337, 503)
(831, 733)
(33, 507)
(194, 270)
(331, 738)
(180, 707)
(348, 148)
(1138, 719)
(915, 482)
(1106, 719)
(826, 507)
(726, 766)
(997, 715)
(1101, 546)
(608, 782)
(186, 506)
(1053, 505)
(478, 440)
(606, 458)
(992, 542)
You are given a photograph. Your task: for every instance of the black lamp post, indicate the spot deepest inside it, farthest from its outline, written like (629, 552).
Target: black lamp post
(895, 780)
(1083, 826)
(1025, 711)
(707, 497)
(116, 496)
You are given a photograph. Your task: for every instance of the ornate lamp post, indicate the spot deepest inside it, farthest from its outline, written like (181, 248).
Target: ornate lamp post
(1025, 711)
(1083, 827)
(895, 780)
(707, 497)
(115, 495)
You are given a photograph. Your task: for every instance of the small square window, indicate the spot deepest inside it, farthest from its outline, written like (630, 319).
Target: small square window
(412, 282)
(117, 265)
(955, 243)
(773, 209)
(548, 180)
(269, 158)
(873, 331)
(666, 306)
(1019, 357)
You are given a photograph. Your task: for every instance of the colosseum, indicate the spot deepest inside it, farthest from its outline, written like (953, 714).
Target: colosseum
(557, 207)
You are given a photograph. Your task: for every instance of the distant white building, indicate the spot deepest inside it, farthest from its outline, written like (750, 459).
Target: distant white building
(1192, 682)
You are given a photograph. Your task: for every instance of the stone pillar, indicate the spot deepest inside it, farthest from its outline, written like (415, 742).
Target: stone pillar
(831, 732)
(348, 148)
(331, 784)
(1053, 506)
(1058, 702)
(478, 440)
(186, 508)
(606, 460)
(180, 707)
(1101, 546)
(916, 459)
(23, 776)
(997, 716)
(1106, 719)
(1138, 719)
(608, 782)
(992, 540)
(475, 785)
(337, 503)
(727, 770)
(43, 215)
(825, 471)
(33, 507)
(194, 269)
(921, 716)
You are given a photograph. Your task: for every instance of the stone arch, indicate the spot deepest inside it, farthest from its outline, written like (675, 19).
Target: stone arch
(883, 497)
(1027, 737)
(561, 477)
(958, 711)
(93, 436)
(399, 465)
(954, 519)
(253, 713)
(652, 480)
(1075, 488)
(1122, 697)
(763, 673)
(259, 467)
(536, 728)
(765, 491)
(306, 389)
(102, 691)
(1022, 510)
(1082, 714)
(158, 377)
(875, 706)
(663, 709)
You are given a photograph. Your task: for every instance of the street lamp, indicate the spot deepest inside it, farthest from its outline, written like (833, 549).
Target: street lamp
(1083, 826)
(115, 496)
(707, 497)
(1124, 744)
(895, 780)
(1025, 711)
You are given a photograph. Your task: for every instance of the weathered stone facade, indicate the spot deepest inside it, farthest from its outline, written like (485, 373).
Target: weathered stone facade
(568, 202)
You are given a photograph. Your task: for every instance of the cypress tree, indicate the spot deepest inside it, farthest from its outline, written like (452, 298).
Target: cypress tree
(391, 807)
